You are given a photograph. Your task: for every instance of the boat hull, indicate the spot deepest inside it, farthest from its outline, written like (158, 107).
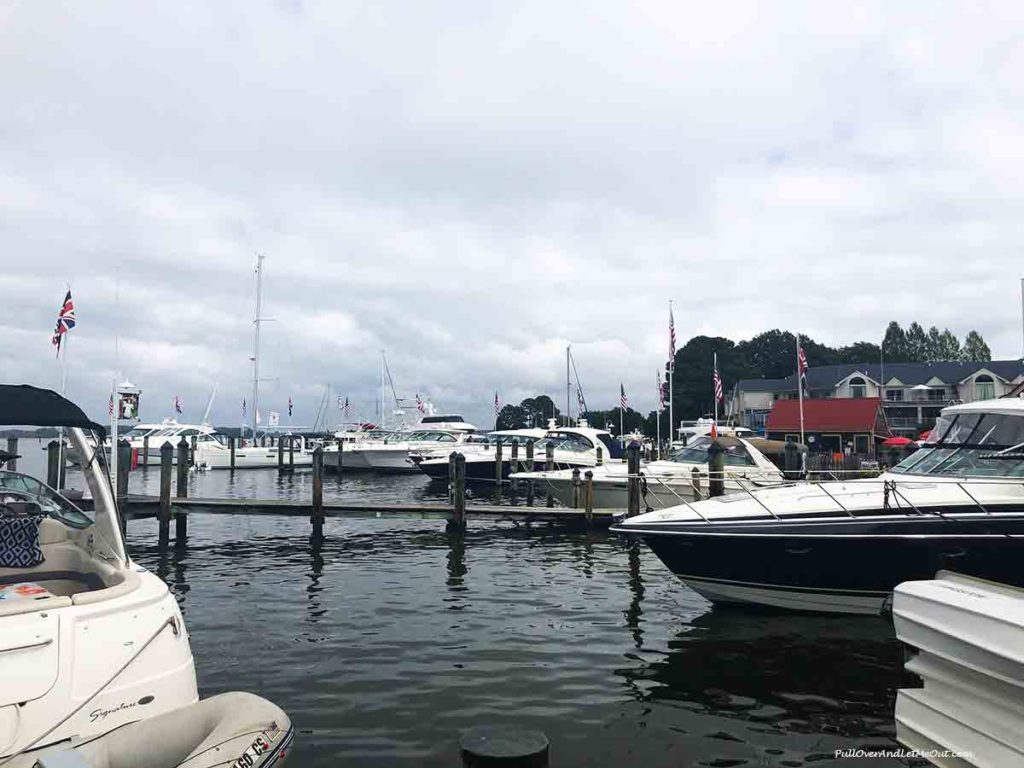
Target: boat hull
(483, 470)
(833, 566)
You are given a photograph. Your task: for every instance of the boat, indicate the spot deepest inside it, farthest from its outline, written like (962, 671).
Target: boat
(392, 455)
(213, 452)
(689, 430)
(666, 482)
(965, 638)
(481, 456)
(842, 547)
(93, 647)
(353, 441)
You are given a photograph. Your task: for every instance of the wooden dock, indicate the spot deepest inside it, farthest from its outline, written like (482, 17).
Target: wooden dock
(137, 507)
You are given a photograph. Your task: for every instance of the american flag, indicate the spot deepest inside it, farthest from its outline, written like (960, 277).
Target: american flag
(497, 404)
(581, 404)
(623, 402)
(289, 405)
(717, 381)
(345, 407)
(671, 340)
(661, 392)
(110, 406)
(177, 404)
(65, 320)
(243, 407)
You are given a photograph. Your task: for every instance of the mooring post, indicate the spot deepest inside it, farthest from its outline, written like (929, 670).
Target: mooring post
(459, 490)
(166, 461)
(52, 462)
(180, 520)
(549, 466)
(231, 452)
(633, 469)
(318, 490)
(341, 449)
(791, 460)
(588, 495)
(291, 453)
(124, 466)
(503, 747)
(529, 457)
(716, 468)
(144, 460)
(574, 493)
(280, 456)
(697, 496)
(497, 463)
(600, 456)
(12, 448)
(513, 464)
(451, 477)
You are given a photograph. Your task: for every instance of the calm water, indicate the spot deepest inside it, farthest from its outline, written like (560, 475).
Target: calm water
(389, 637)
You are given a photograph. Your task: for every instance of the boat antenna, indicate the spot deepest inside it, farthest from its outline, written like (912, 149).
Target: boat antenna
(579, 386)
(209, 404)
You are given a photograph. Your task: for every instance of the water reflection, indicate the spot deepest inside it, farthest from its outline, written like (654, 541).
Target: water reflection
(636, 590)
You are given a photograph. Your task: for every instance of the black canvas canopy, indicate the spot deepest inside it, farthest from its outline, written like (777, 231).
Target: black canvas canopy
(24, 405)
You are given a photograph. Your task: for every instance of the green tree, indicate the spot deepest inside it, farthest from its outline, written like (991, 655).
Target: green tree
(769, 355)
(949, 346)
(975, 350)
(934, 348)
(511, 417)
(894, 345)
(916, 344)
(537, 411)
(858, 352)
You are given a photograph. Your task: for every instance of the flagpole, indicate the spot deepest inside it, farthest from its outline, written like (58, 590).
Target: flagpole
(715, 393)
(63, 393)
(800, 389)
(657, 414)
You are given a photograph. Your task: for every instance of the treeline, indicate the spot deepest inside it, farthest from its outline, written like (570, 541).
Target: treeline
(769, 355)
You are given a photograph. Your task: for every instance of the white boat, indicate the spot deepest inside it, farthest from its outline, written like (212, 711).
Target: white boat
(353, 442)
(667, 482)
(967, 641)
(689, 430)
(213, 452)
(89, 641)
(393, 456)
(481, 454)
(170, 432)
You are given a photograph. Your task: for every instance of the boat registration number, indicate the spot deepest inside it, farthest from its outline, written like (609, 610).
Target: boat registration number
(260, 745)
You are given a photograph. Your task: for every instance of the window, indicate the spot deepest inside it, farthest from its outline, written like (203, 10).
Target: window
(937, 395)
(894, 395)
(858, 387)
(984, 387)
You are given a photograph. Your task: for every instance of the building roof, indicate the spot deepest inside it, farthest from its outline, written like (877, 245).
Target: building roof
(909, 374)
(840, 414)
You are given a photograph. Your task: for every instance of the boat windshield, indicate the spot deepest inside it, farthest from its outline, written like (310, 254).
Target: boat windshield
(970, 445)
(564, 441)
(510, 439)
(431, 437)
(16, 487)
(697, 453)
(137, 433)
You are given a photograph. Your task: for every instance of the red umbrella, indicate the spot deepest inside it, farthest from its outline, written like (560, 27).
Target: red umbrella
(897, 442)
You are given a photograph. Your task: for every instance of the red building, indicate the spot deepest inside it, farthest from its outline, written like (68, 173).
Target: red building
(837, 425)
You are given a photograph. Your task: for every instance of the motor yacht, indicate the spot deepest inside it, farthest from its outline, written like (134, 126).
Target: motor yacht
(393, 455)
(667, 482)
(480, 456)
(91, 644)
(842, 547)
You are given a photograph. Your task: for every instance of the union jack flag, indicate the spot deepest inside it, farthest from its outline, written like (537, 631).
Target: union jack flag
(65, 320)
(671, 340)
(623, 401)
(717, 381)
(801, 366)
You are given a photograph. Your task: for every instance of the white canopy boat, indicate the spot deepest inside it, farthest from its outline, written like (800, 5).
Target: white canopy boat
(480, 456)
(90, 642)
(967, 641)
(667, 482)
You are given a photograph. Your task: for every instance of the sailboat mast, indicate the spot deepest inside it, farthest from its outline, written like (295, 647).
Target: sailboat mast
(256, 344)
(383, 418)
(568, 412)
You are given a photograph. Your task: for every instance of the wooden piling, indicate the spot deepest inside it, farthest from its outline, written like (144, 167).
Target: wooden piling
(503, 747)
(600, 456)
(280, 456)
(549, 466)
(513, 464)
(193, 442)
(124, 466)
(166, 463)
(575, 493)
(529, 456)
(291, 453)
(12, 448)
(716, 469)
(144, 460)
(588, 495)
(52, 463)
(633, 469)
(791, 460)
(497, 463)
(180, 519)
(697, 496)
(458, 491)
(318, 490)
(341, 450)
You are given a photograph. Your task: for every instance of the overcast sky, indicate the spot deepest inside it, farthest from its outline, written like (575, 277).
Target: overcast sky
(472, 186)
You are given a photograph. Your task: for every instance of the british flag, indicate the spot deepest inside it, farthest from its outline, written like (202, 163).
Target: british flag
(801, 365)
(65, 320)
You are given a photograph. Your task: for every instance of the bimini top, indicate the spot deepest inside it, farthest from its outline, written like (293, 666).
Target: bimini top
(24, 405)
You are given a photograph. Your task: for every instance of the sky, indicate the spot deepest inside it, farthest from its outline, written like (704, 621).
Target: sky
(474, 186)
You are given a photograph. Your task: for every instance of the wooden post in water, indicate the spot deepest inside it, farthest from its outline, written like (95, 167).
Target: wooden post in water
(791, 460)
(458, 491)
(318, 491)
(144, 461)
(341, 449)
(497, 463)
(716, 469)
(12, 448)
(549, 466)
(280, 457)
(574, 495)
(291, 453)
(180, 519)
(529, 468)
(513, 464)
(166, 461)
(232, 442)
(588, 495)
(192, 450)
(124, 466)
(633, 469)
(600, 455)
(697, 496)
(503, 747)
(52, 464)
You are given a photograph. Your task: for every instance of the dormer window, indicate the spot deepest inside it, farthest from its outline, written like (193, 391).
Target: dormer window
(984, 387)
(858, 387)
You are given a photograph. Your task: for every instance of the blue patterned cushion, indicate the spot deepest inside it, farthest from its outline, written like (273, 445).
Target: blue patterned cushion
(19, 542)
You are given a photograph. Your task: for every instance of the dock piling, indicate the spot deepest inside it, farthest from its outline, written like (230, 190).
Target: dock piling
(166, 460)
(716, 469)
(791, 460)
(280, 457)
(231, 446)
(291, 453)
(697, 496)
(575, 493)
(341, 449)
(633, 470)
(180, 519)
(318, 490)
(52, 462)
(497, 462)
(458, 479)
(504, 747)
(588, 495)
(513, 464)
(12, 448)
(144, 459)
(124, 466)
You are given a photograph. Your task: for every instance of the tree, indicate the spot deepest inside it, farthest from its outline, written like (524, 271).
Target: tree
(770, 355)
(975, 350)
(859, 352)
(934, 349)
(894, 345)
(949, 346)
(511, 417)
(916, 344)
(537, 411)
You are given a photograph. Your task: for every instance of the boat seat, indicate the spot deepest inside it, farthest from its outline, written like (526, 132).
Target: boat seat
(65, 758)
